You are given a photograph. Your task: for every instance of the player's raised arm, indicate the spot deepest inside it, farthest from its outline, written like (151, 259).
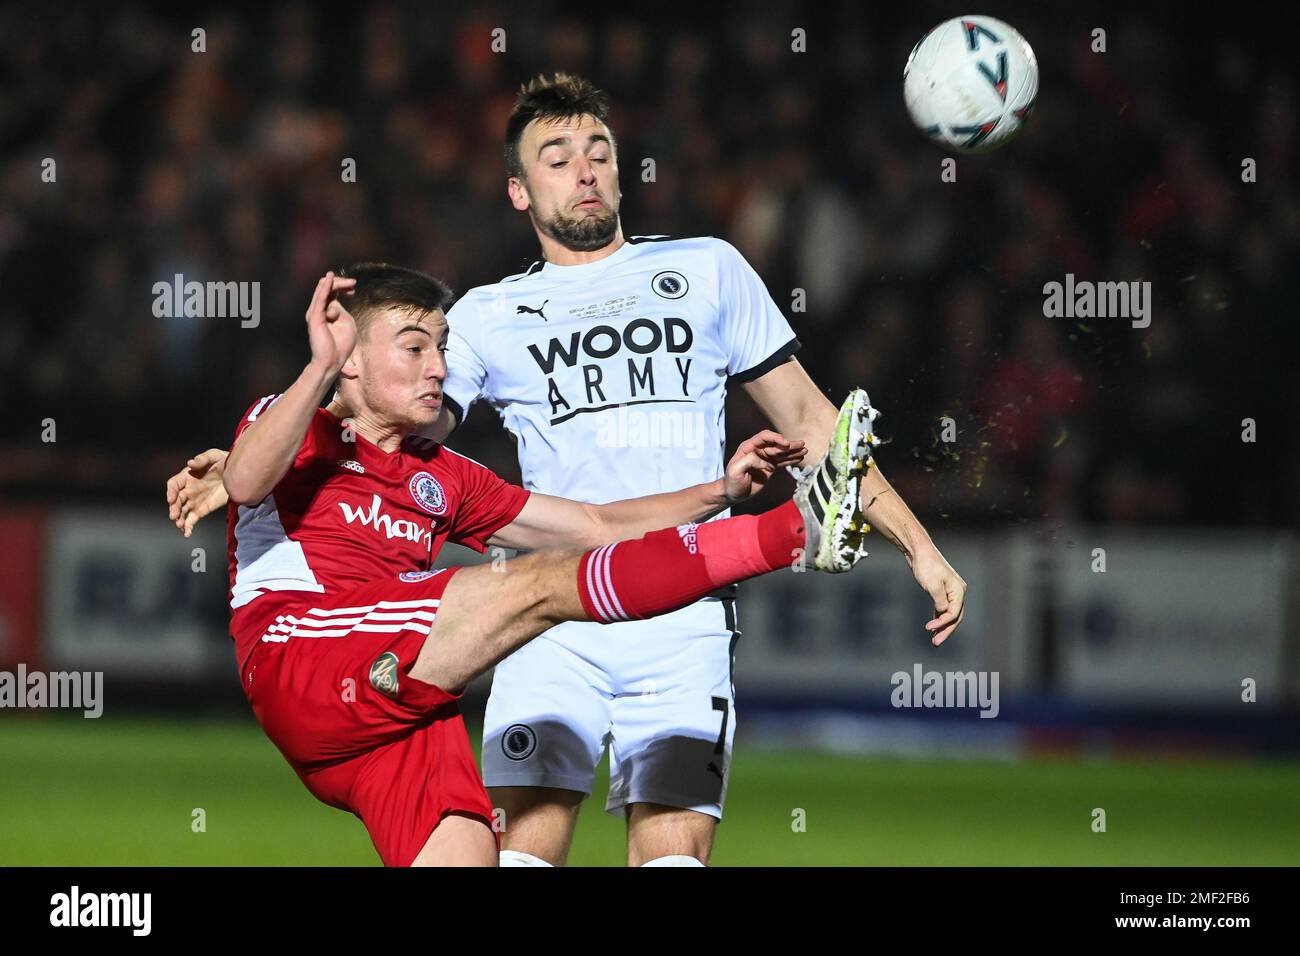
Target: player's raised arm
(550, 522)
(266, 449)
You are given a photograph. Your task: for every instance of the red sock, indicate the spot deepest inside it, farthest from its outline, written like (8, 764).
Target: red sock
(669, 569)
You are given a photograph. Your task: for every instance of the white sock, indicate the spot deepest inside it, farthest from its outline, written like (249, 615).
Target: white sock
(673, 861)
(519, 858)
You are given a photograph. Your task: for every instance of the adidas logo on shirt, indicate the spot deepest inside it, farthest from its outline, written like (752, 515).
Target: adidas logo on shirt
(689, 538)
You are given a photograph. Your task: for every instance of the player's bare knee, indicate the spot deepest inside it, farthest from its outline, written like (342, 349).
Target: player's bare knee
(548, 579)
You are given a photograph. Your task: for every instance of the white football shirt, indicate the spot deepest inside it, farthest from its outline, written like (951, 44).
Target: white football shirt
(612, 375)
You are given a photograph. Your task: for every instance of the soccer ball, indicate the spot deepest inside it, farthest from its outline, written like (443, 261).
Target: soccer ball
(970, 83)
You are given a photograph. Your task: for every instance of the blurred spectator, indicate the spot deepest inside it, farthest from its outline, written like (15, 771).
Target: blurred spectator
(227, 165)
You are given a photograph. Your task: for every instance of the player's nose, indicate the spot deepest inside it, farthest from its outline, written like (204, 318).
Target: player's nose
(436, 369)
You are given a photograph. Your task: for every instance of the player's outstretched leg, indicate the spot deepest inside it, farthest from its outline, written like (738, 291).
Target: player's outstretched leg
(486, 613)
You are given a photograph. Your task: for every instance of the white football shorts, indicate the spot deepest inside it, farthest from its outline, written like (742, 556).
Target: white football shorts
(658, 692)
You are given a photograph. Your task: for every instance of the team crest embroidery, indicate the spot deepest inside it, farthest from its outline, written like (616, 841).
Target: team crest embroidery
(670, 285)
(383, 674)
(428, 493)
(518, 742)
(410, 577)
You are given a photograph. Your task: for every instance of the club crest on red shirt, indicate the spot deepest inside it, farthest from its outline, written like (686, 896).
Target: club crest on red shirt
(411, 577)
(428, 493)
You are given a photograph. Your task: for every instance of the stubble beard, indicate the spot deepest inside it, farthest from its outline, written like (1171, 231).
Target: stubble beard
(582, 233)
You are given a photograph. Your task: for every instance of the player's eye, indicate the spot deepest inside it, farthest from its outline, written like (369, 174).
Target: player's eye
(558, 163)
(600, 159)
(414, 349)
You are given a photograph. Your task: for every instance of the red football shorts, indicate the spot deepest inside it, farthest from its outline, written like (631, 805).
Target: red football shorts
(328, 679)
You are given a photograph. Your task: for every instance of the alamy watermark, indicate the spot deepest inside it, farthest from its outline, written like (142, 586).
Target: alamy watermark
(686, 432)
(75, 690)
(946, 689)
(208, 300)
(129, 910)
(1098, 300)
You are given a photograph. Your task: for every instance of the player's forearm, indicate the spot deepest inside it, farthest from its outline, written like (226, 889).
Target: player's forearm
(633, 517)
(266, 449)
(889, 514)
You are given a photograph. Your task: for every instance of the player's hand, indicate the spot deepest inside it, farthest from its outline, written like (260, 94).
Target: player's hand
(331, 330)
(756, 460)
(945, 587)
(196, 490)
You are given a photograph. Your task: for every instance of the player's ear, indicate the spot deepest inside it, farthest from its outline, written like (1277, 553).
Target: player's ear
(352, 367)
(518, 194)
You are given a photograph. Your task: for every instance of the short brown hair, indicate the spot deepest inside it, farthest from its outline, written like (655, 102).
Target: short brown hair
(558, 97)
(382, 286)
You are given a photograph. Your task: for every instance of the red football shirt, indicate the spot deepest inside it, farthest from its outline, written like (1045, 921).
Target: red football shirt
(347, 513)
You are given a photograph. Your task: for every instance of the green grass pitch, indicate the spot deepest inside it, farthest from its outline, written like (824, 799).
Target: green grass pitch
(124, 792)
